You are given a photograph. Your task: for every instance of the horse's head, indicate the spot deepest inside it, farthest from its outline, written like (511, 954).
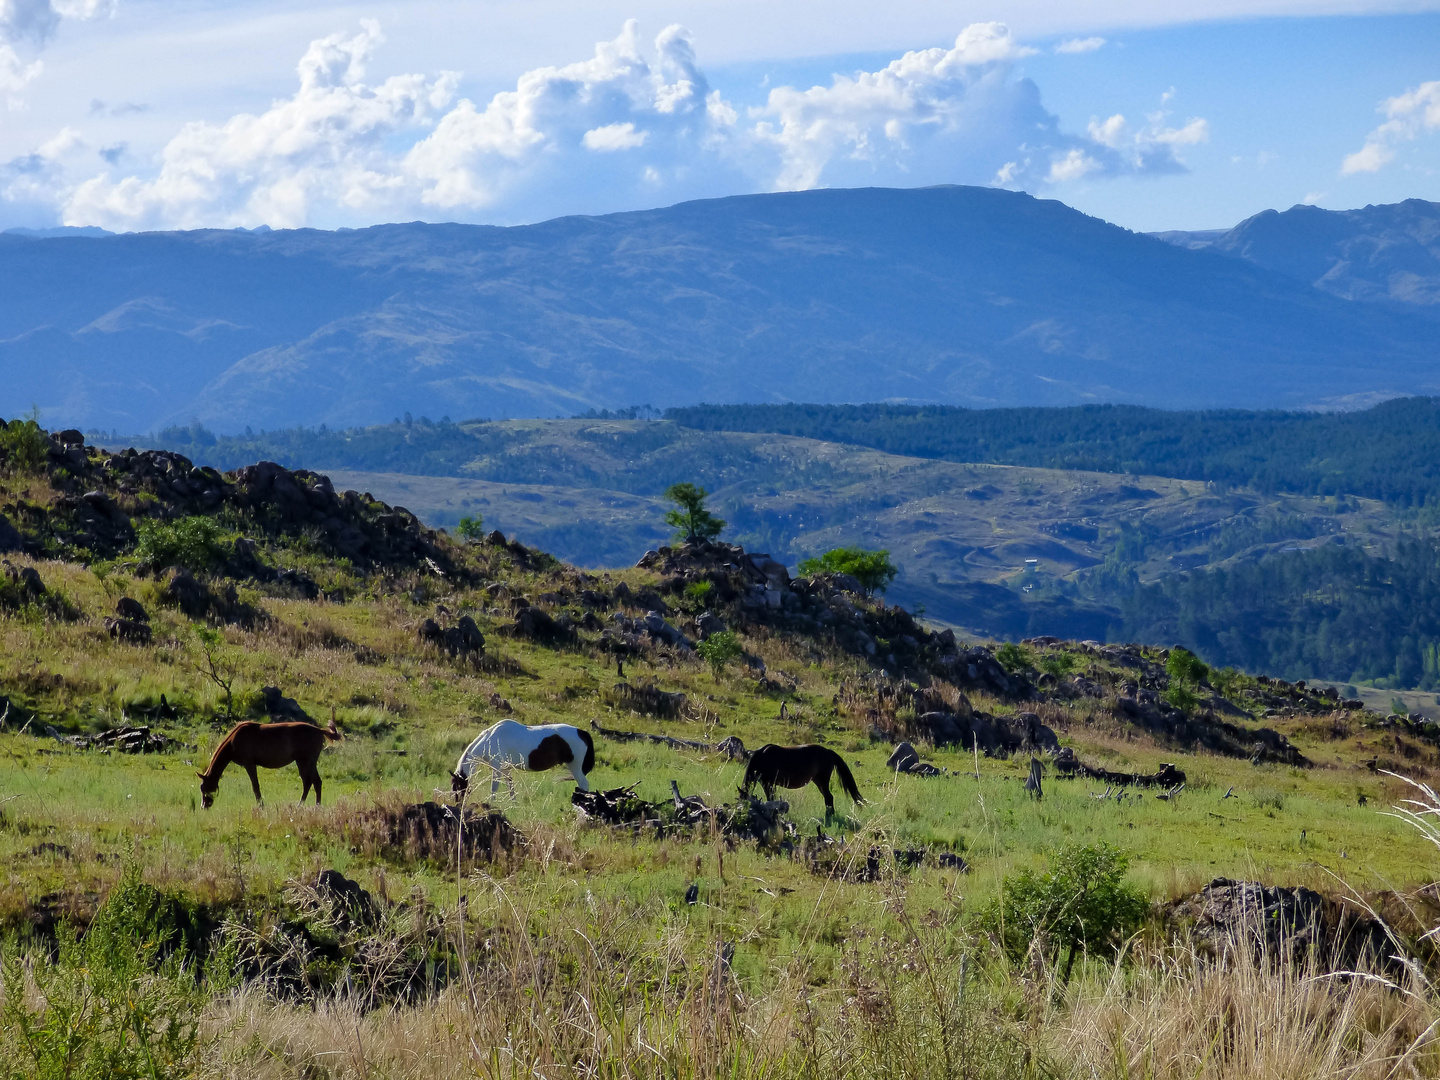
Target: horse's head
(458, 783)
(207, 789)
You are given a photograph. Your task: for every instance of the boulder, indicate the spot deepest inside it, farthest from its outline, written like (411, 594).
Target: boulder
(661, 630)
(1284, 922)
(904, 758)
(348, 902)
(281, 707)
(536, 625)
(183, 591)
(129, 630)
(709, 623)
(128, 608)
(10, 538)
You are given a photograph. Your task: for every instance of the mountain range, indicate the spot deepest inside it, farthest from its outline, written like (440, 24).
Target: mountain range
(960, 295)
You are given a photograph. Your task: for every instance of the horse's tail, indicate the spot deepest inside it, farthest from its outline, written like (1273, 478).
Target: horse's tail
(847, 781)
(332, 732)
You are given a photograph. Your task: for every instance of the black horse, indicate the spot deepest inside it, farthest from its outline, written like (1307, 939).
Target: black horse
(794, 767)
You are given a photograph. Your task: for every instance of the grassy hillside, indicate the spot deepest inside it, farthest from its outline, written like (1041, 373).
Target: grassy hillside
(868, 945)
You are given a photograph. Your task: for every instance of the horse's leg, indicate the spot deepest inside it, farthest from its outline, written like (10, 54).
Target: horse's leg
(305, 784)
(494, 779)
(255, 783)
(510, 780)
(822, 781)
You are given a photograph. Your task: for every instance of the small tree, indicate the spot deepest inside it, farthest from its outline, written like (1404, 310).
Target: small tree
(1184, 665)
(220, 665)
(873, 569)
(690, 519)
(718, 650)
(471, 528)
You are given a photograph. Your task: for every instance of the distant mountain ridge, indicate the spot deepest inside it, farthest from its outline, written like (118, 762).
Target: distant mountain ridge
(1378, 253)
(954, 295)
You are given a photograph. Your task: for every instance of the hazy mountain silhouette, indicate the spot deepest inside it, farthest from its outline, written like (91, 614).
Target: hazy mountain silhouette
(962, 295)
(1381, 253)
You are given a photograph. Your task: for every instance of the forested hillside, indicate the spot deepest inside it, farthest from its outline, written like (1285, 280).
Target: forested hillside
(1389, 452)
(1260, 568)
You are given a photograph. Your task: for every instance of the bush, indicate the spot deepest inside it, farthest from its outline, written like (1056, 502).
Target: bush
(1082, 903)
(113, 1005)
(1184, 665)
(873, 569)
(1182, 697)
(24, 444)
(1013, 657)
(719, 649)
(471, 528)
(1057, 664)
(191, 542)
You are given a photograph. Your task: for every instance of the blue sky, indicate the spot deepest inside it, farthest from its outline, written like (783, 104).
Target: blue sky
(153, 114)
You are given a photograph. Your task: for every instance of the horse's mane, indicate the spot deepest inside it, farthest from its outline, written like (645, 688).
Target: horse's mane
(224, 745)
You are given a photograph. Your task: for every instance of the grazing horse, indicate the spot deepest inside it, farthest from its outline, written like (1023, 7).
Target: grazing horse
(510, 743)
(268, 746)
(794, 767)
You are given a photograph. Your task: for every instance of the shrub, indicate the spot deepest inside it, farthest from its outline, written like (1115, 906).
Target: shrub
(114, 1004)
(1184, 665)
(191, 542)
(690, 518)
(471, 527)
(719, 649)
(1012, 657)
(1081, 903)
(1056, 664)
(1182, 697)
(873, 569)
(24, 444)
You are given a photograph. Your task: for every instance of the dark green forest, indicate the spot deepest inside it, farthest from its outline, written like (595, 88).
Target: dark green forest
(1335, 612)
(1389, 452)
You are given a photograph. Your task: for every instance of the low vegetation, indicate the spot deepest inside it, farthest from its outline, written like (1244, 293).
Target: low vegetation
(954, 925)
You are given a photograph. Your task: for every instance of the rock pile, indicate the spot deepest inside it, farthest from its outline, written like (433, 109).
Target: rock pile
(100, 495)
(1284, 923)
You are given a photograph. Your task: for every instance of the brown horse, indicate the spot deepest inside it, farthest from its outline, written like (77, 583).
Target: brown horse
(794, 767)
(268, 746)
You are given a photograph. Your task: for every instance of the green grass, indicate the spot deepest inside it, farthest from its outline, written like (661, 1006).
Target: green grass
(72, 820)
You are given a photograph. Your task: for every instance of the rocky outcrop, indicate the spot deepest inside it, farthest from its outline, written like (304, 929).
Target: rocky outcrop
(100, 495)
(1284, 923)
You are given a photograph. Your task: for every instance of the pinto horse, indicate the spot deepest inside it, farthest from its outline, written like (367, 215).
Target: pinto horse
(268, 746)
(794, 767)
(510, 744)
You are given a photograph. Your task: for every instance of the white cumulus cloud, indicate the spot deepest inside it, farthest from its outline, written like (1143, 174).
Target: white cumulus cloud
(325, 145)
(1407, 116)
(614, 137)
(635, 124)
